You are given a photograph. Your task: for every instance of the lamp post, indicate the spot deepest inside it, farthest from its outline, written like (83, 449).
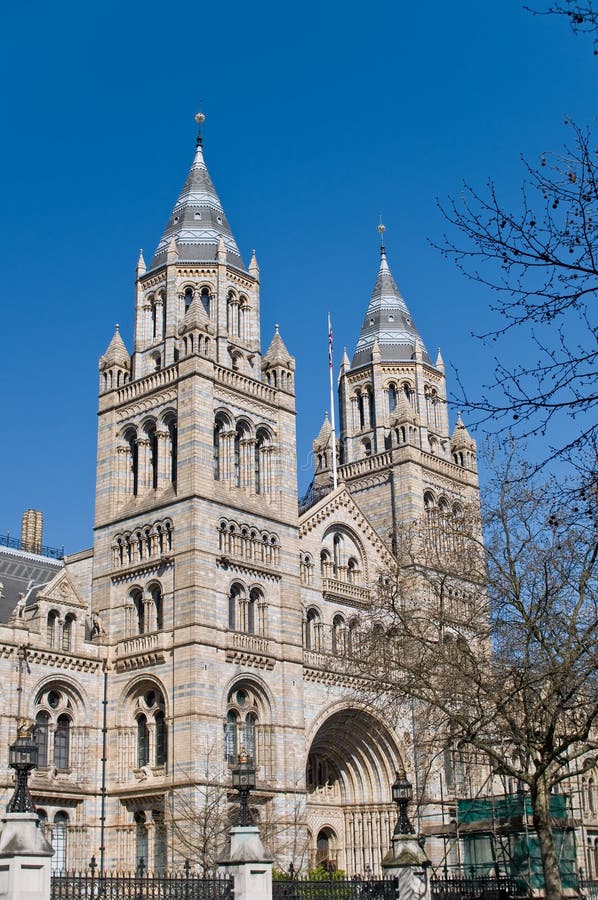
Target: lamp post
(243, 776)
(402, 795)
(22, 757)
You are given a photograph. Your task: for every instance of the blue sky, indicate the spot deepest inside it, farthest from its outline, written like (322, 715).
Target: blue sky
(319, 117)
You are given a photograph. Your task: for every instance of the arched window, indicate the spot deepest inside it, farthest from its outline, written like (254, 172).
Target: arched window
(241, 727)
(51, 627)
(353, 570)
(249, 734)
(141, 842)
(337, 545)
(130, 438)
(42, 725)
(261, 440)
(591, 795)
(217, 449)
(152, 461)
(361, 411)
(236, 595)
(67, 633)
(353, 637)
(338, 636)
(188, 298)
(312, 630)
(429, 500)
(230, 736)
(205, 299)
(143, 741)
(161, 739)
(59, 841)
(156, 594)
(62, 742)
(443, 506)
(251, 616)
(137, 598)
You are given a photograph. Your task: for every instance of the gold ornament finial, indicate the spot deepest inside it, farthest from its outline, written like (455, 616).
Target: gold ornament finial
(381, 230)
(199, 118)
(243, 755)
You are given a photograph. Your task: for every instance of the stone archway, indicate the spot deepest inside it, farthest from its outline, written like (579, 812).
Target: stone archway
(350, 769)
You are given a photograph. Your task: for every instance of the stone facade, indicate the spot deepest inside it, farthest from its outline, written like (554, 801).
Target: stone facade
(206, 614)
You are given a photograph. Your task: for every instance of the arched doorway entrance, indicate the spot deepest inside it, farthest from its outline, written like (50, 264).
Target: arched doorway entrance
(350, 769)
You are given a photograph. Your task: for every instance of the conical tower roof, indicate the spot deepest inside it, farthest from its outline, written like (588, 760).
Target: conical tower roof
(116, 353)
(324, 433)
(277, 353)
(387, 321)
(195, 318)
(198, 221)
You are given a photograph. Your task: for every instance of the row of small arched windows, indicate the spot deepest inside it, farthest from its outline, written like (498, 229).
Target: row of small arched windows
(143, 542)
(248, 542)
(442, 504)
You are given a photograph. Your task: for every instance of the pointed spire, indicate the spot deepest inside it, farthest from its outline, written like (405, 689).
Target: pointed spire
(254, 269)
(116, 353)
(221, 252)
(141, 267)
(198, 221)
(461, 437)
(196, 317)
(324, 433)
(387, 320)
(277, 353)
(376, 355)
(345, 362)
(440, 361)
(172, 251)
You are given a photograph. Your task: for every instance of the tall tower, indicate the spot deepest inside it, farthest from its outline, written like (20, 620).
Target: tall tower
(397, 452)
(196, 529)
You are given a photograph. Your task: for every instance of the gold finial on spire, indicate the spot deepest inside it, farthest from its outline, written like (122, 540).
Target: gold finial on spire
(200, 119)
(381, 230)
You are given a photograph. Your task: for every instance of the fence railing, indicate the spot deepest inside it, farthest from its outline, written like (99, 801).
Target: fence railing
(335, 889)
(90, 885)
(488, 887)
(588, 888)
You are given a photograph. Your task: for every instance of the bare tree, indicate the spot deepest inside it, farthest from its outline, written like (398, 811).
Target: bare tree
(201, 815)
(541, 262)
(495, 640)
(582, 16)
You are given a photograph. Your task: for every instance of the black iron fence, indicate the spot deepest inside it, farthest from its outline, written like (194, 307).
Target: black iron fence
(334, 889)
(588, 888)
(481, 887)
(185, 885)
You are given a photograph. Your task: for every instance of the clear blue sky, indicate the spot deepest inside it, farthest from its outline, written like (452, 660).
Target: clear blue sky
(319, 116)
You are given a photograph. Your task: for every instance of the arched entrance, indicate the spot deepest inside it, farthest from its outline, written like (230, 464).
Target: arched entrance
(350, 769)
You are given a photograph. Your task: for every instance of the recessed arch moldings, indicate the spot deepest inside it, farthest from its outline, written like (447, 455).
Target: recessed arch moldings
(359, 752)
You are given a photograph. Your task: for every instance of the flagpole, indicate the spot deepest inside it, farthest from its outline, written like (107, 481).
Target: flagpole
(332, 417)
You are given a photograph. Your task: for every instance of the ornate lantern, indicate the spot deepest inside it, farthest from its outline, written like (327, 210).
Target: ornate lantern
(402, 795)
(22, 757)
(243, 776)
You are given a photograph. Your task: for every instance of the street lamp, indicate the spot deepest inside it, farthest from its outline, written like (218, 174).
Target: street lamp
(402, 795)
(22, 757)
(243, 776)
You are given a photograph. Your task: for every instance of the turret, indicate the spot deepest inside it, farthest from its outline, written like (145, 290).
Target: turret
(278, 365)
(115, 364)
(463, 447)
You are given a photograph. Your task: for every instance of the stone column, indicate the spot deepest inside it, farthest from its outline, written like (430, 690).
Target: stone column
(25, 856)
(409, 865)
(249, 863)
